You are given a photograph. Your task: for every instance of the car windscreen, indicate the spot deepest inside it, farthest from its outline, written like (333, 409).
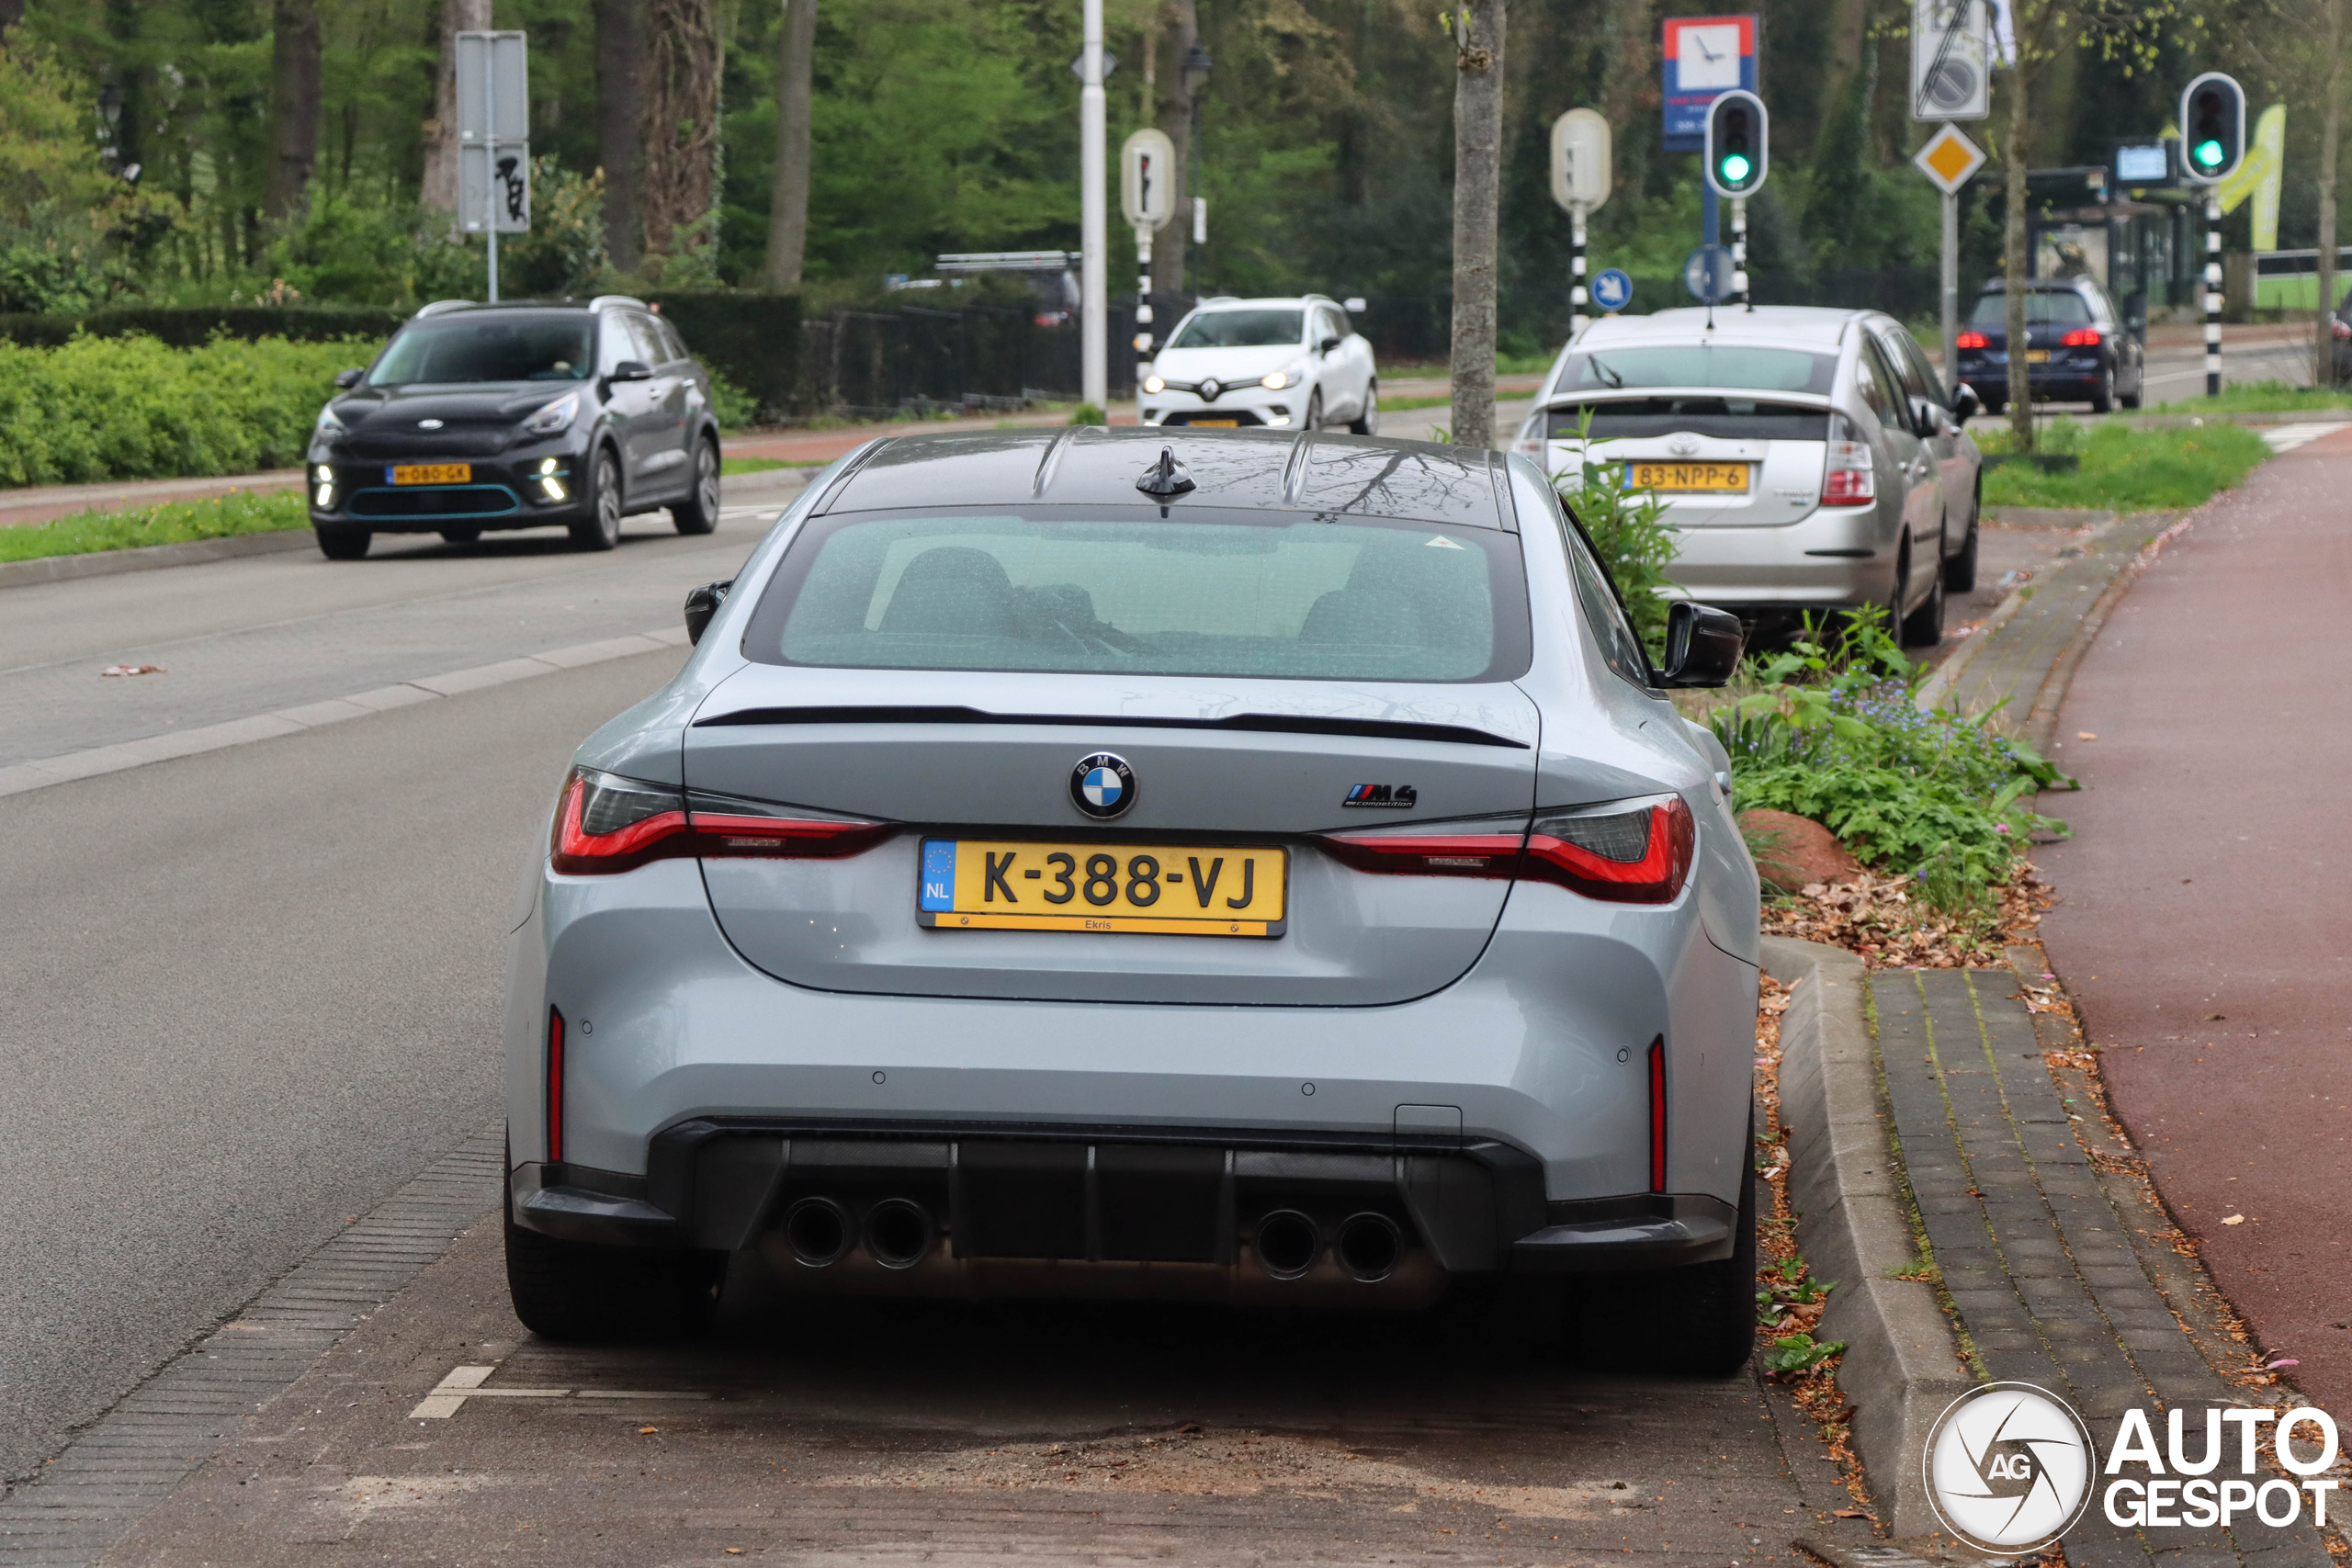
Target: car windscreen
(548, 348)
(1735, 418)
(2043, 307)
(1126, 591)
(1745, 368)
(1241, 329)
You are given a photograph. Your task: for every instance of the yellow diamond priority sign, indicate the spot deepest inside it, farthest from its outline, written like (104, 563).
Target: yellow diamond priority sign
(1949, 158)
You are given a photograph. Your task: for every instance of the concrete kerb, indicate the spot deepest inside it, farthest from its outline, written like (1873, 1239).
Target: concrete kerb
(1903, 1363)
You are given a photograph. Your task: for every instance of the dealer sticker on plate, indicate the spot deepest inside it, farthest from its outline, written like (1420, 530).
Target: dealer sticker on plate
(1164, 889)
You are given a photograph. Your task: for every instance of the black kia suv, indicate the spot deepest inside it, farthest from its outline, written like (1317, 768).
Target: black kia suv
(477, 417)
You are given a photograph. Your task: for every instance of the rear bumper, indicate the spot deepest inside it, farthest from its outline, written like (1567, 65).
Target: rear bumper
(984, 1209)
(1834, 558)
(1989, 374)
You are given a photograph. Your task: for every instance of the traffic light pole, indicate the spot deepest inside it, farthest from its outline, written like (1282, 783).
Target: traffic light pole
(1577, 295)
(2213, 293)
(1739, 252)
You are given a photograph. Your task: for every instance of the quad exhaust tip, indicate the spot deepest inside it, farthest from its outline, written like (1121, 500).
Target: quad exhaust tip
(1369, 1248)
(1288, 1244)
(818, 1232)
(897, 1233)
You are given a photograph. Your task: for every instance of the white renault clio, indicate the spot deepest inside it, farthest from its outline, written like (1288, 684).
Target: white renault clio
(1287, 363)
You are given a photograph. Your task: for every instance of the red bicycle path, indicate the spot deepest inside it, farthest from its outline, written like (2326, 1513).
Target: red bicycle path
(2202, 921)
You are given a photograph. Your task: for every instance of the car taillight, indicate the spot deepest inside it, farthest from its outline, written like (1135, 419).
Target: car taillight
(1847, 477)
(554, 1085)
(1657, 1114)
(2081, 337)
(1973, 340)
(610, 824)
(1640, 855)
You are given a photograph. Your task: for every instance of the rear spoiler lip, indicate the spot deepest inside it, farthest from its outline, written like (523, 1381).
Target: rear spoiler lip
(1281, 724)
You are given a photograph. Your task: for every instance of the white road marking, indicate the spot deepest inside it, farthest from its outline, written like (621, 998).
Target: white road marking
(450, 1395)
(2287, 437)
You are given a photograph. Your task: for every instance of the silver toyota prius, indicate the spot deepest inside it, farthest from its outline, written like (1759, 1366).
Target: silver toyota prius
(1224, 867)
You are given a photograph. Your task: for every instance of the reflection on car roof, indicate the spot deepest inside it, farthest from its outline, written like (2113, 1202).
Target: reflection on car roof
(1091, 466)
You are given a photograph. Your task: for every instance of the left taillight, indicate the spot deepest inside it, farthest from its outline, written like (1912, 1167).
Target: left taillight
(2081, 337)
(608, 824)
(1635, 852)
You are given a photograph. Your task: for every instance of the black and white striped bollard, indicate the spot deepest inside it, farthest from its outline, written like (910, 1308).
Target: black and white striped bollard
(2213, 293)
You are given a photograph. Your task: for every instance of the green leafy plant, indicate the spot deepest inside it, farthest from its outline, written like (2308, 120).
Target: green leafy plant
(1796, 1354)
(1087, 413)
(1827, 730)
(174, 523)
(1627, 530)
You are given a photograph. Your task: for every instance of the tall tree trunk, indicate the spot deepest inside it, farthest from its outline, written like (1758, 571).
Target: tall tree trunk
(440, 185)
(682, 64)
(2331, 121)
(788, 196)
(294, 86)
(130, 73)
(1179, 32)
(2013, 258)
(620, 127)
(1477, 185)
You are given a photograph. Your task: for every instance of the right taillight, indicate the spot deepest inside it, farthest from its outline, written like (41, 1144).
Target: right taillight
(1632, 854)
(608, 824)
(1972, 340)
(1847, 477)
(1637, 856)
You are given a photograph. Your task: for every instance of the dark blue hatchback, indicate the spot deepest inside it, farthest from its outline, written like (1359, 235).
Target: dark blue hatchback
(2079, 348)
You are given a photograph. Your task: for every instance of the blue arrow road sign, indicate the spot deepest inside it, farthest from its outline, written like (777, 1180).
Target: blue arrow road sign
(1611, 289)
(1706, 272)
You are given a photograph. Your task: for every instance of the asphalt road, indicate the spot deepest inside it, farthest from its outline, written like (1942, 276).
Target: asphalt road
(2201, 922)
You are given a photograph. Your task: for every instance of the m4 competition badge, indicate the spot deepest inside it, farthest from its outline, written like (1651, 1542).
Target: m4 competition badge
(1103, 785)
(1394, 797)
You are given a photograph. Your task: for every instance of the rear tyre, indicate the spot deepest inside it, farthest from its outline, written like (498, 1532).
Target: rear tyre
(1996, 407)
(344, 544)
(1923, 627)
(698, 513)
(577, 1289)
(461, 536)
(1697, 1320)
(1314, 409)
(2103, 395)
(1368, 421)
(601, 529)
(1960, 570)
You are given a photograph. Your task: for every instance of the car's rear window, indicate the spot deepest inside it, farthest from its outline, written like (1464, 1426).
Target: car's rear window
(1127, 592)
(548, 348)
(2043, 307)
(1241, 329)
(1745, 368)
(1732, 417)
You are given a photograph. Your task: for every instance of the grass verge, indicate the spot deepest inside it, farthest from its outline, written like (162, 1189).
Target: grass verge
(761, 464)
(174, 522)
(2260, 397)
(2126, 469)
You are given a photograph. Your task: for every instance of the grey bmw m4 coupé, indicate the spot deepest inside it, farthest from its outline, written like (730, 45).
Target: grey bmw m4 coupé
(1212, 867)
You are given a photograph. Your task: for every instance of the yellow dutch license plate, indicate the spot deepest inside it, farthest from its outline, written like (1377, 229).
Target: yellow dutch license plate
(430, 473)
(1167, 889)
(2037, 357)
(1219, 423)
(1690, 476)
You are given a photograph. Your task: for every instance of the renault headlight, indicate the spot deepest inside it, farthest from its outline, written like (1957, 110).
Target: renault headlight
(557, 415)
(1154, 384)
(1279, 379)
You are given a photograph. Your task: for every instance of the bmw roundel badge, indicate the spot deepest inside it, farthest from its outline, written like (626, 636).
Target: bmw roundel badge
(1103, 785)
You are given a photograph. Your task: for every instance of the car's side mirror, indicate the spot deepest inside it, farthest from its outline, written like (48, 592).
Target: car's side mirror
(1702, 645)
(702, 603)
(347, 379)
(631, 370)
(1326, 345)
(1923, 418)
(1965, 404)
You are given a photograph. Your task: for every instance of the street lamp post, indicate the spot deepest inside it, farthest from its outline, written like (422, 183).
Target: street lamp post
(1093, 220)
(1194, 73)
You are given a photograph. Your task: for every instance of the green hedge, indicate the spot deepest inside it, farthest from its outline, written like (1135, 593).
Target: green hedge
(753, 340)
(96, 408)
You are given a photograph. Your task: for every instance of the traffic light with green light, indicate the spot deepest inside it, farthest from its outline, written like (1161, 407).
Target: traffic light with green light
(2213, 128)
(1736, 155)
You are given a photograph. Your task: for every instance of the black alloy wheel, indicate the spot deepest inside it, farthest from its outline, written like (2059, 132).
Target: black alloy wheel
(698, 513)
(1367, 419)
(601, 529)
(1960, 570)
(344, 544)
